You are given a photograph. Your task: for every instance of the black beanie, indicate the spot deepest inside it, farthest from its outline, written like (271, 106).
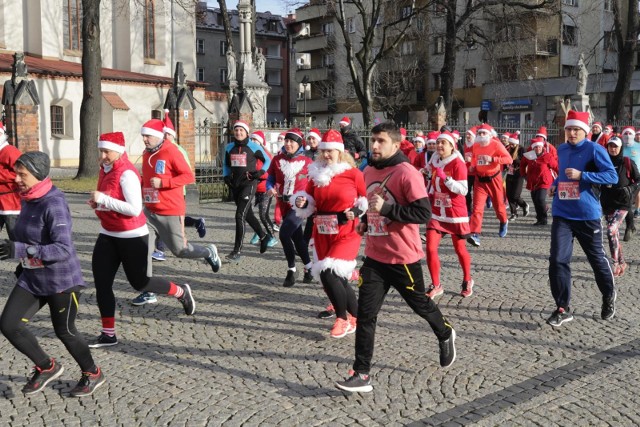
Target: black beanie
(37, 163)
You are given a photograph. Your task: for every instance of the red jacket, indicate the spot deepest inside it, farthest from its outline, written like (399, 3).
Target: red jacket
(9, 198)
(262, 183)
(539, 171)
(409, 150)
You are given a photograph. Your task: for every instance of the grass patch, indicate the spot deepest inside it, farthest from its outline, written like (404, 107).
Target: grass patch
(82, 185)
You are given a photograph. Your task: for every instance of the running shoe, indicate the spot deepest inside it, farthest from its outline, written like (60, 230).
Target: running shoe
(353, 322)
(272, 242)
(489, 204)
(341, 328)
(327, 313)
(264, 243)
(290, 280)
(158, 256)
(609, 306)
(434, 291)
(201, 228)
(628, 233)
(104, 340)
(467, 288)
(474, 239)
(276, 227)
(187, 300)
(307, 278)
(448, 350)
(145, 298)
(559, 317)
(356, 383)
(513, 217)
(213, 259)
(88, 383)
(504, 227)
(255, 239)
(525, 210)
(41, 377)
(234, 257)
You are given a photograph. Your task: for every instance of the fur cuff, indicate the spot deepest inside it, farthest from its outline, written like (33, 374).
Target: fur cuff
(362, 203)
(307, 211)
(340, 267)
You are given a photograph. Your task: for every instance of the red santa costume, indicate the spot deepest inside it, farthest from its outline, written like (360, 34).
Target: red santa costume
(448, 214)
(332, 190)
(9, 198)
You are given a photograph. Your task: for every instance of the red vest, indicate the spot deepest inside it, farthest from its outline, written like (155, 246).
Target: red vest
(109, 184)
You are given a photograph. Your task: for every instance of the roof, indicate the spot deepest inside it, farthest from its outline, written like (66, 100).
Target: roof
(115, 101)
(209, 20)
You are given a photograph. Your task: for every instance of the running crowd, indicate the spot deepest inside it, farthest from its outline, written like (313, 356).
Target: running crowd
(329, 193)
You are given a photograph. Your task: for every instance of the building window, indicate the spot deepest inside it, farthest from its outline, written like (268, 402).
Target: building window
(72, 24)
(272, 26)
(61, 120)
(156, 114)
(200, 46)
(200, 74)
(328, 60)
(223, 47)
(149, 29)
(437, 81)
(405, 12)
(507, 72)
(438, 44)
(273, 51)
(327, 28)
(567, 70)
(273, 77)
(222, 75)
(351, 25)
(440, 9)
(610, 42)
(330, 91)
(274, 104)
(569, 35)
(57, 120)
(470, 77)
(570, 2)
(407, 47)
(608, 5)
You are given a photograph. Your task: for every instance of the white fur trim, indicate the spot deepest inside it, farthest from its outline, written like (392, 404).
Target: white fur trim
(448, 138)
(291, 169)
(340, 267)
(108, 145)
(362, 203)
(315, 135)
(169, 131)
(437, 162)
(152, 132)
(331, 146)
(343, 123)
(243, 125)
(303, 212)
(577, 123)
(258, 138)
(537, 144)
(322, 173)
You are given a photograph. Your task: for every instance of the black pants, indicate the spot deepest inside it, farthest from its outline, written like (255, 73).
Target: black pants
(108, 254)
(308, 228)
(263, 202)
(243, 196)
(20, 308)
(514, 193)
(539, 197)
(340, 294)
(292, 239)
(469, 196)
(376, 280)
(8, 221)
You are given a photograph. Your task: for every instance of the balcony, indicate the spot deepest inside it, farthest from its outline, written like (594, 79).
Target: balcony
(316, 105)
(315, 74)
(315, 42)
(313, 11)
(526, 47)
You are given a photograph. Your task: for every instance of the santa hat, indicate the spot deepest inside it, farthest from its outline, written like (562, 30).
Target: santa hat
(486, 127)
(258, 136)
(314, 132)
(281, 135)
(472, 131)
(432, 136)
(506, 135)
(153, 127)
(403, 132)
(242, 124)
(628, 131)
(513, 138)
(538, 141)
(345, 121)
(579, 119)
(609, 128)
(448, 136)
(294, 134)
(168, 125)
(419, 139)
(113, 141)
(638, 131)
(615, 140)
(456, 134)
(597, 124)
(331, 140)
(542, 132)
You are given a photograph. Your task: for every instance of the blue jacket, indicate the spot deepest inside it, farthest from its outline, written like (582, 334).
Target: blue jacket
(249, 151)
(596, 167)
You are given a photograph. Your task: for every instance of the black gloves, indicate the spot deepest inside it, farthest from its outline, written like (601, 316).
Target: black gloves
(255, 174)
(7, 249)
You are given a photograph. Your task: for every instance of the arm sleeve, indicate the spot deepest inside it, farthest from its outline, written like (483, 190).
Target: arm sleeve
(182, 175)
(226, 170)
(261, 154)
(502, 157)
(417, 212)
(606, 173)
(132, 203)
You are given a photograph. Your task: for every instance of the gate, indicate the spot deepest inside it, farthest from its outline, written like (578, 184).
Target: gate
(210, 139)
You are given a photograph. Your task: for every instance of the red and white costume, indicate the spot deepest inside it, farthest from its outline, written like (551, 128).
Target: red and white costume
(288, 174)
(331, 190)
(448, 204)
(9, 198)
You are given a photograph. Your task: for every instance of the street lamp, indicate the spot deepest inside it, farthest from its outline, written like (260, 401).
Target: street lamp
(305, 83)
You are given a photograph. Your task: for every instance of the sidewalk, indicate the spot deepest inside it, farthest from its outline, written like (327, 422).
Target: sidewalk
(255, 354)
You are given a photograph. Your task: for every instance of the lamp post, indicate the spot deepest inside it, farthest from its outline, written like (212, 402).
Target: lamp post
(305, 83)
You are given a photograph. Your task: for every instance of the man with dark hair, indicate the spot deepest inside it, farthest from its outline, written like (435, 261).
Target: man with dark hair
(398, 204)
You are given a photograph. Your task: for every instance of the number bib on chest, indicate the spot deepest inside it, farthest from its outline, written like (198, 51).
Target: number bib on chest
(327, 224)
(442, 200)
(151, 195)
(239, 160)
(31, 263)
(569, 190)
(510, 170)
(376, 224)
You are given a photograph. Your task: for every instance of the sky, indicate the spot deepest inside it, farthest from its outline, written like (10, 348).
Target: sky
(277, 7)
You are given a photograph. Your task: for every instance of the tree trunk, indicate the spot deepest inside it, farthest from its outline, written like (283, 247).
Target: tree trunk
(90, 109)
(627, 44)
(447, 73)
(226, 24)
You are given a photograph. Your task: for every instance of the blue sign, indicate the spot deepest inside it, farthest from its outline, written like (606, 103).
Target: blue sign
(516, 105)
(485, 105)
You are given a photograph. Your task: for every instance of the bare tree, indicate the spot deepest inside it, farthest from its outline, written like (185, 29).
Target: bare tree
(226, 23)
(627, 44)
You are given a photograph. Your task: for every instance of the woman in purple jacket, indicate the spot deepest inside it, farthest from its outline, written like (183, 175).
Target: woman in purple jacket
(48, 274)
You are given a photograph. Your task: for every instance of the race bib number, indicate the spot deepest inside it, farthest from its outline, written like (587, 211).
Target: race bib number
(442, 200)
(31, 263)
(467, 157)
(510, 170)
(161, 165)
(289, 186)
(151, 195)
(327, 224)
(569, 190)
(482, 161)
(376, 224)
(239, 160)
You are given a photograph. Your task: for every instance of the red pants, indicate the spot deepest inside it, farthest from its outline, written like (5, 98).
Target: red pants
(482, 190)
(433, 260)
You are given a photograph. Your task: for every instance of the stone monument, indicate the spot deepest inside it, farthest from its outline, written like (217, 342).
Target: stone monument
(580, 101)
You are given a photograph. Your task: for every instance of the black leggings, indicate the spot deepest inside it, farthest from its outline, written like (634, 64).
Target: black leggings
(340, 294)
(242, 196)
(292, 239)
(514, 193)
(20, 308)
(108, 253)
(264, 205)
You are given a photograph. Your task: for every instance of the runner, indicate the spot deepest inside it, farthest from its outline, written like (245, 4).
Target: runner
(514, 180)
(398, 203)
(539, 166)
(262, 201)
(49, 274)
(9, 197)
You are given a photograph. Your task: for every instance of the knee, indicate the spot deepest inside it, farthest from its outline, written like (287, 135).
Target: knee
(140, 285)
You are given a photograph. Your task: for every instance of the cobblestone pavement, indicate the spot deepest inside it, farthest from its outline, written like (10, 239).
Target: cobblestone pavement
(255, 353)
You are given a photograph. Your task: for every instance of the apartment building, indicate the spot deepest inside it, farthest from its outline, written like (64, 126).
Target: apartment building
(271, 35)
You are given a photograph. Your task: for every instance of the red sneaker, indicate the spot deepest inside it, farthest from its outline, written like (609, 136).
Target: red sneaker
(434, 291)
(341, 328)
(467, 288)
(353, 323)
